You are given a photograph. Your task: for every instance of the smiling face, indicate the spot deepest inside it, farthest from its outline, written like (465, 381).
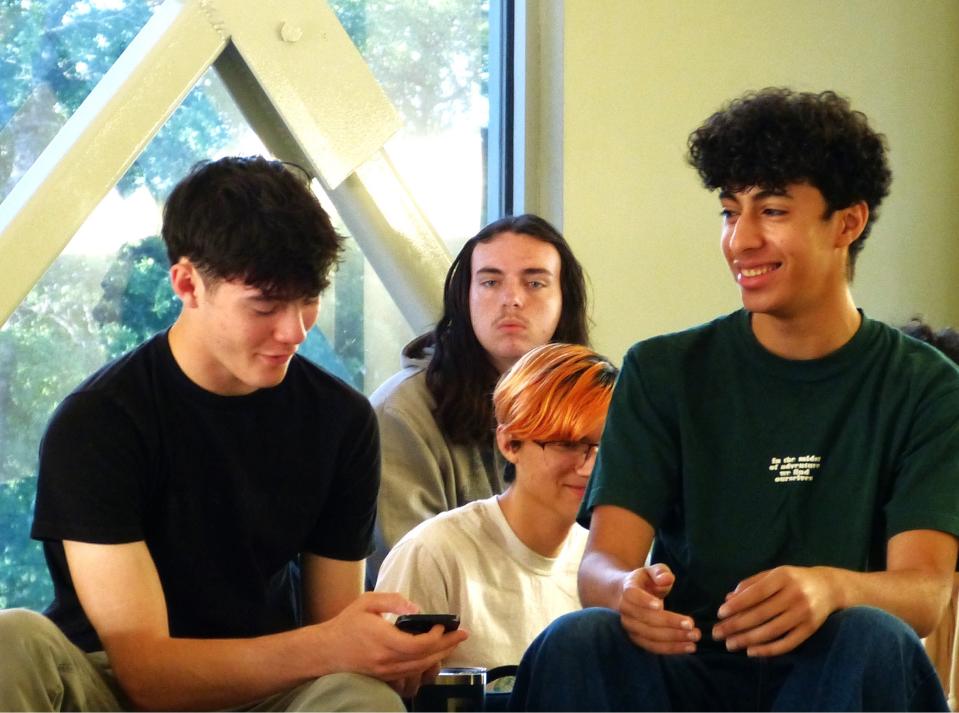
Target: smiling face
(787, 257)
(551, 480)
(515, 298)
(232, 340)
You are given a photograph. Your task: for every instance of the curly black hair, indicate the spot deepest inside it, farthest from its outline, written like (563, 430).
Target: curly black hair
(776, 136)
(256, 220)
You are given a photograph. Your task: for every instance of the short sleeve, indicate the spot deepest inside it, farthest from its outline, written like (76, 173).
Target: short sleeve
(412, 569)
(94, 474)
(638, 465)
(345, 527)
(925, 493)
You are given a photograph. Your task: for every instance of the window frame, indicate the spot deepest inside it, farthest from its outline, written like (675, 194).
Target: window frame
(253, 49)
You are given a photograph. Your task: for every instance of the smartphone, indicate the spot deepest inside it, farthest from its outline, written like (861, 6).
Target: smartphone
(421, 623)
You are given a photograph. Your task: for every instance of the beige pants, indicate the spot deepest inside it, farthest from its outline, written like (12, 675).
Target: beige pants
(41, 670)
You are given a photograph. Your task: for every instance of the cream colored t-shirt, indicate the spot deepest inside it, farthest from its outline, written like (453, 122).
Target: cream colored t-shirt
(468, 561)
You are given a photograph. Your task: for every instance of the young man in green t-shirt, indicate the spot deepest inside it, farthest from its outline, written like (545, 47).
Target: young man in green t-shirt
(793, 465)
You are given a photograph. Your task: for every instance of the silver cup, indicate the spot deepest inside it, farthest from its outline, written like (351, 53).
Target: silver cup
(455, 689)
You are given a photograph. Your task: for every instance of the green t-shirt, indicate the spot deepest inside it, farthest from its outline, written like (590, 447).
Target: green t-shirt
(742, 461)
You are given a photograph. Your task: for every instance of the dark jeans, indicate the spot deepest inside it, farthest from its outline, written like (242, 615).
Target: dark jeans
(860, 659)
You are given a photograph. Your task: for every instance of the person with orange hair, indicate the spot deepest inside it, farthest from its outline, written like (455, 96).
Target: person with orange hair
(489, 559)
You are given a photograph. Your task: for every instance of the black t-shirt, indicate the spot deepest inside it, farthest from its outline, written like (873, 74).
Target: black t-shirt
(225, 490)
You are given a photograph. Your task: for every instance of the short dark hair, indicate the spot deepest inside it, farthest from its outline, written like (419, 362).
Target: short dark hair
(254, 220)
(945, 340)
(460, 375)
(776, 136)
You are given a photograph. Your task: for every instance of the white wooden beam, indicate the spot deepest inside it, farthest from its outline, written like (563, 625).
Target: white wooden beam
(98, 143)
(315, 78)
(291, 55)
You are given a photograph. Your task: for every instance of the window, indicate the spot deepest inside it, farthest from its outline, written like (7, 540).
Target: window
(108, 290)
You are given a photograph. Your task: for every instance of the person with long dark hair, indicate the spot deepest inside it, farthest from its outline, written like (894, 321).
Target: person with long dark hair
(515, 285)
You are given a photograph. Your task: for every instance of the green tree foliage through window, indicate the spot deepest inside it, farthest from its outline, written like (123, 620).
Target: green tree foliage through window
(429, 55)
(137, 298)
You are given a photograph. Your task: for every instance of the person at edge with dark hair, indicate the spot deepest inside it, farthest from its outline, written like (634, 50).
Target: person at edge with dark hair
(507, 564)
(515, 285)
(792, 464)
(940, 643)
(178, 483)
(945, 340)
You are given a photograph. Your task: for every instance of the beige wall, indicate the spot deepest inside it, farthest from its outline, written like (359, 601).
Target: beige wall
(638, 75)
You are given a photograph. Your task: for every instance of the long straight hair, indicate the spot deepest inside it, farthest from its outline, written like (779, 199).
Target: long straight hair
(460, 375)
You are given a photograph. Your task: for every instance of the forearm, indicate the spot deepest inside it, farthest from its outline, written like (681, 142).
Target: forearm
(197, 674)
(619, 543)
(917, 597)
(600, 580)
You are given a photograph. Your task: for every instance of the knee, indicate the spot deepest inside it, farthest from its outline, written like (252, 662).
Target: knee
(376, 694)
(588, 634)
(872, 627)
(586, 661)
(879, 658)
(25, 630)
(587, 627)
(872, 636)
(28, 641)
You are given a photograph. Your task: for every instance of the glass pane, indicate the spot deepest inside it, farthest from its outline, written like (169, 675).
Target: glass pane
(54, 52)
(109, 290)
(432, 59)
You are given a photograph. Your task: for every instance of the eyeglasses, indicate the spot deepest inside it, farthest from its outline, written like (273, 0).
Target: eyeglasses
(575, 453)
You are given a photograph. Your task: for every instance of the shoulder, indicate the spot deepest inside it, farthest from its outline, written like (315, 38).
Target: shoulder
(404, 391)
(307, 379)
(687, 341)
(141, 362)
(668, 359)
(461, 520)
(913, 361)
(449, 530)
(125, 385)
(405, 403)
(437, 550)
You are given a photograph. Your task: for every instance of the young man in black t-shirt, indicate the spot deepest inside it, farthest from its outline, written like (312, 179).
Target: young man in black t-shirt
(795, 462)
(178, 483)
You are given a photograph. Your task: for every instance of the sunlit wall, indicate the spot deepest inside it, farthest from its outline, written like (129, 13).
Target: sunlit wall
(639, 75)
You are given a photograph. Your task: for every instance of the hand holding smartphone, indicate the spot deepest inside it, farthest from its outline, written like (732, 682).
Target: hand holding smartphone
(422, 623)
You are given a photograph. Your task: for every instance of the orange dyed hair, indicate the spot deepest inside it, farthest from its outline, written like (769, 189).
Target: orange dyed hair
(556, 392)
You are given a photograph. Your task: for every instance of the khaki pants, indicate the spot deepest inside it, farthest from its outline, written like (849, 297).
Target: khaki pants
(41, 670)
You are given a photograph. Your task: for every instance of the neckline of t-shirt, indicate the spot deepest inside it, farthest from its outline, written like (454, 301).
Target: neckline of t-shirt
(198, 394)
(516, 548)
(804, 369)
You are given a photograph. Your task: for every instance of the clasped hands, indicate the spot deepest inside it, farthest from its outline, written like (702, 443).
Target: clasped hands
(767, 614)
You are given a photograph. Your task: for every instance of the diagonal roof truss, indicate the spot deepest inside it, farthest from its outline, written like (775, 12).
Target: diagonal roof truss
(301, 84)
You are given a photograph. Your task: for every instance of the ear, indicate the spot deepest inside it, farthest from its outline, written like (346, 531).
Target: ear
(186, 282)
(504, 441)
(852, 221)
